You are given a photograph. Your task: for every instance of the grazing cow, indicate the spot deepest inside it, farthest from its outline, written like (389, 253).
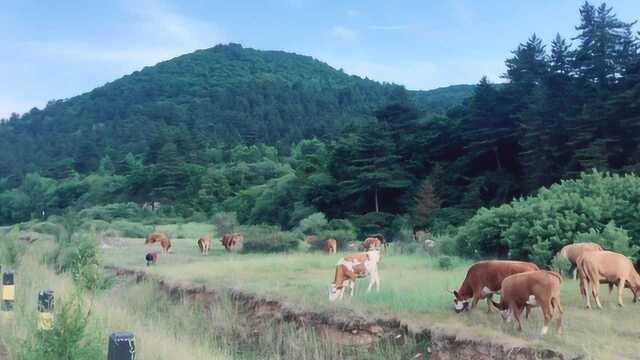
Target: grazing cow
(152, 257)
(203, 244)
(483, 279)
(353, 267)
(597, 267)
(573, 251)
(331, 246)
(159, 237)
(531, 289)
(231, 240)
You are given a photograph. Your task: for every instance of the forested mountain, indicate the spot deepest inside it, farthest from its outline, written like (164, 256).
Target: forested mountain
(275, 137)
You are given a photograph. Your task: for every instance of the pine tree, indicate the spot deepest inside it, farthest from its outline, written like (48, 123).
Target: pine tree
(426, 202)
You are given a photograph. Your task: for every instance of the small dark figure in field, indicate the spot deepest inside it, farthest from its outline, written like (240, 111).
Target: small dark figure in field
(484, 279)
(152, 258)
(159, 237)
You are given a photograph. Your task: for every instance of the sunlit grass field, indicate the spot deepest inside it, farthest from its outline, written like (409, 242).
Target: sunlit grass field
(413, 289)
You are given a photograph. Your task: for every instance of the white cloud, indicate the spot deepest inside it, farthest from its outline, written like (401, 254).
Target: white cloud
(344, 33)
(156, 33)
(412, 74)
(389, 27)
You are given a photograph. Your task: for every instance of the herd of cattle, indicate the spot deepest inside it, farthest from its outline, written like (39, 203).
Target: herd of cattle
(521, 285)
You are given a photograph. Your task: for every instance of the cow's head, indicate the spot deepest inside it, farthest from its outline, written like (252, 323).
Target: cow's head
(459, 304)
(334, 292)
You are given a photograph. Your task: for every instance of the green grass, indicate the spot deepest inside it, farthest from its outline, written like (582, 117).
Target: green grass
(413, 290)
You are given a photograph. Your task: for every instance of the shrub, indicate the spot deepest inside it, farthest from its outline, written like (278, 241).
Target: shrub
(611, 238)
(536, 227)
(11, 248)
(375, 223)
(74, 254)
(269, 239)
(313, 224)
(561, 264)
(225, 222)
(111, 212)
(72, 337)
(445, 262)
(445, 245)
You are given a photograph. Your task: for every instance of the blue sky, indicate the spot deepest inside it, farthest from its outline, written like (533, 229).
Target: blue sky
(66, 48)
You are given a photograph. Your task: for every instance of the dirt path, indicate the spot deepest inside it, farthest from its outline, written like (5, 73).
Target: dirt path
(350, 330)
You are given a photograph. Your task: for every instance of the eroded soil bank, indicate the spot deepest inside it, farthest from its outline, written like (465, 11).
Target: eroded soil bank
(353, 330)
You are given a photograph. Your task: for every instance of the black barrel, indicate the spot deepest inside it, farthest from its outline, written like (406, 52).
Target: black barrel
(8, 278)
(46, 301)
(122, 346)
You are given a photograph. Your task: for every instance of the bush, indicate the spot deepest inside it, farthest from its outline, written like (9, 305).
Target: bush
(445, 263)
(375, 223)
(313, 224)
(269, 239)
(72, 337)
(225, 222)
(445, 245)
(73, 255)
(536, 227)
(561, 264)
(111, 212)
(611, 238)
(11, 248)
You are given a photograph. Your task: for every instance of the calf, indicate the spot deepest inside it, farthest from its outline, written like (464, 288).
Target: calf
(159, 237)
(203, 244)
(353, 267)
(572, 252)
(484, 279)
(607, 267)
(231, 240)
(152, 257)
(331, 246)
(530, 289)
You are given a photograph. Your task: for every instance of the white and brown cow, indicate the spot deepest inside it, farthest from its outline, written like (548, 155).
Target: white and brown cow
(531, 289)
(484, 279)
(204, 243)
(598, 267)
(352, 267)
(572, 252)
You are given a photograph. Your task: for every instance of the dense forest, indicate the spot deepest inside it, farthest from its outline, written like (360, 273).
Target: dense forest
(275, 137)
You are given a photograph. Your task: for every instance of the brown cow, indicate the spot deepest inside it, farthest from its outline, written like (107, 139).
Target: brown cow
(607, 267)
(159, 237)
(352, 267)
(331, 246)
(203, 244)
(530, 289)
(573, 251)
(483, 279)
(231, 240)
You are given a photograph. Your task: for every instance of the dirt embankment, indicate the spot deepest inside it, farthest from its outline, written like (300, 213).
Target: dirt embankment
(353, 330)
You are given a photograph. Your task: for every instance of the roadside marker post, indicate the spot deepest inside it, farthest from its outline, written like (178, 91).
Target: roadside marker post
(46, 303)
(8, 291)
(122, 346)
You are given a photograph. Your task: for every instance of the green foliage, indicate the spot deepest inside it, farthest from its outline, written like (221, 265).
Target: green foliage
(561, 264)
(130, 229)
(73, 336)
(313, 224)
(225, 223)
(536, 227)
(11, 248)
(445, 263)
(269, 239)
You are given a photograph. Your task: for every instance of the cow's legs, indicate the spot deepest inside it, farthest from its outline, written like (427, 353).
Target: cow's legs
(575, 271)
(587, 290)
(527, 310)
(621, 283)
(476, 298)
(517, 312)
(548, 315)
(594, 291)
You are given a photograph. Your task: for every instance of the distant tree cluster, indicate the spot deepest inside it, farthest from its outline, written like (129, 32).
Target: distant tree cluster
(276, 137)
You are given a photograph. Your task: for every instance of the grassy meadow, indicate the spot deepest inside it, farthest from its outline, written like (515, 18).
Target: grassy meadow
(413, 289)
